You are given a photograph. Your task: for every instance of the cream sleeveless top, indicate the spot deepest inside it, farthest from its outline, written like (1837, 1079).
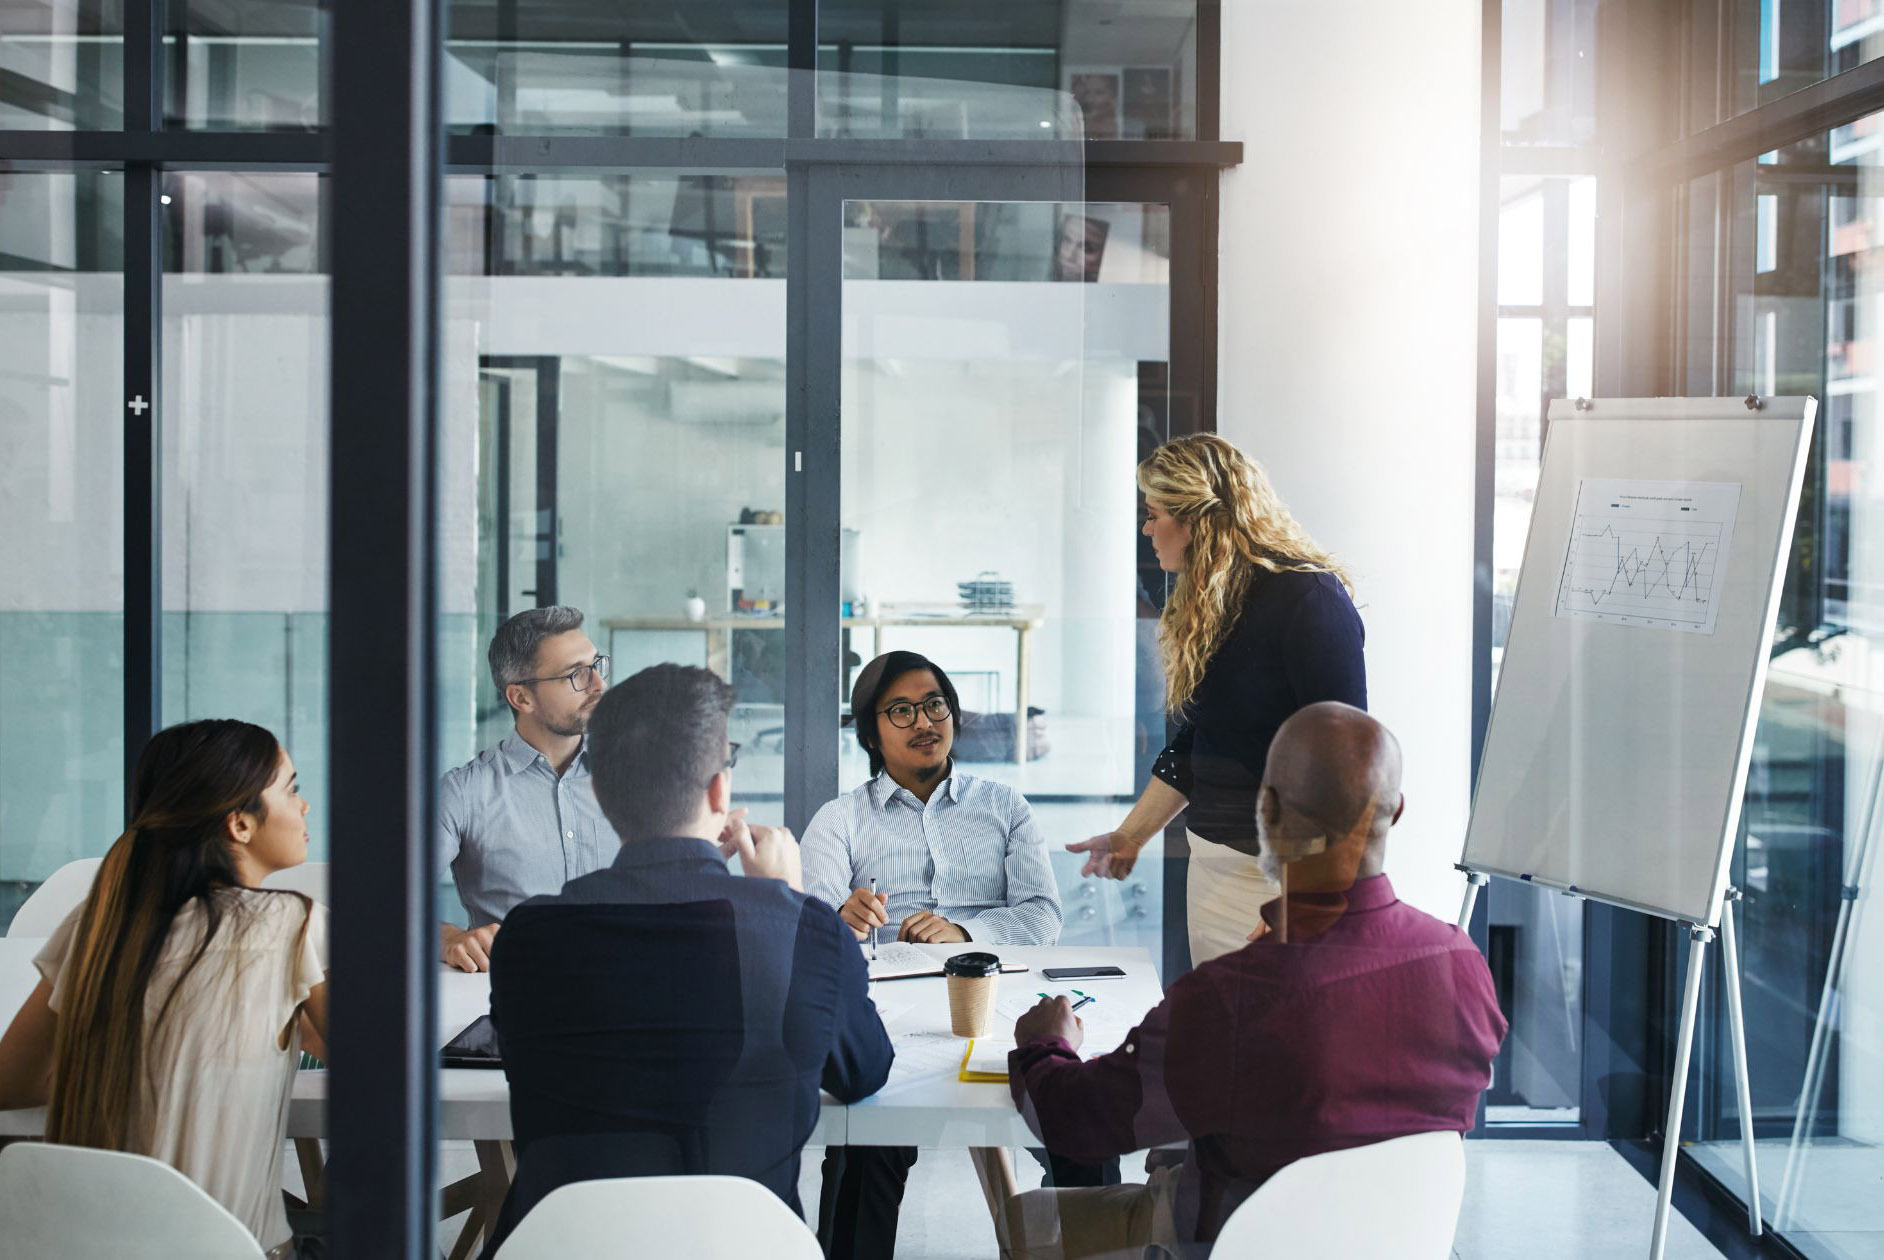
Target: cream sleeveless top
(221, 1070)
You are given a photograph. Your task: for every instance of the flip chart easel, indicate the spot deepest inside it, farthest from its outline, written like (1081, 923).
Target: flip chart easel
(1617, 753)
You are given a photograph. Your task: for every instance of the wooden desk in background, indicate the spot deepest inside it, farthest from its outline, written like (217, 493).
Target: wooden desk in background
(1022, 619)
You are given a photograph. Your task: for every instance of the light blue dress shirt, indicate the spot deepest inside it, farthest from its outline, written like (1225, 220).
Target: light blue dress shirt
(510, 828)
(972, 855)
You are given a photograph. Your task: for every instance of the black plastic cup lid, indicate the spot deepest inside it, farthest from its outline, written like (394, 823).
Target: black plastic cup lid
(972, 965)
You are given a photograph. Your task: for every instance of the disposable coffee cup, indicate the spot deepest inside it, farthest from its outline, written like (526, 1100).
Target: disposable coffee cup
(972, 979)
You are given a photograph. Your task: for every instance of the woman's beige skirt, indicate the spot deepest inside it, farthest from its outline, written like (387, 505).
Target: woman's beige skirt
(1223, 895)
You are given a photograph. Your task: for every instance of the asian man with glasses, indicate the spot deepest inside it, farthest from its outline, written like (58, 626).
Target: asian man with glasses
(953, 857)
(520, 820)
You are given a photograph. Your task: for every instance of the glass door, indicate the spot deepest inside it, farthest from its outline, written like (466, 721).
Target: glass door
(1004, 362)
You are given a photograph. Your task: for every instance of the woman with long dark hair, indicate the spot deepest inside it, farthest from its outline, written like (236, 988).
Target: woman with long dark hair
(1261, 622)
(169, 1018)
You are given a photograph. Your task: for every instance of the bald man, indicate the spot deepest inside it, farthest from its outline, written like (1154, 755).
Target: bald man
(1349, 1019)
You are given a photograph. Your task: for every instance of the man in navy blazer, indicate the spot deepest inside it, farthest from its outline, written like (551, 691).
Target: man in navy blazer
(663, 1003)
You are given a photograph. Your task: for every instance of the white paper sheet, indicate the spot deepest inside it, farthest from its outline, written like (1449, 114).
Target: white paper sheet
(1647, 554)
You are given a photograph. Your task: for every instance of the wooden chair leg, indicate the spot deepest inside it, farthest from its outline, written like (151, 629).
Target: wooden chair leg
(469, 1235)
(307, 1152)
(996, 1174)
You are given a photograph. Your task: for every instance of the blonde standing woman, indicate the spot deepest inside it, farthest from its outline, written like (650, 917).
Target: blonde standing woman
(1259, 624)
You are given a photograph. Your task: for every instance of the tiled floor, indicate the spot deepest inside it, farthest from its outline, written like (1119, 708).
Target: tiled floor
(1837, 1210)
(1539, 1200)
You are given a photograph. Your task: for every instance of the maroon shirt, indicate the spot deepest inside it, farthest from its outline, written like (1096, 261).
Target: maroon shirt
(1376, 1021)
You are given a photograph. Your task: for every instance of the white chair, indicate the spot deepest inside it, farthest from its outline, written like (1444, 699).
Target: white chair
(708, 1218)
(1396, 1198)
(60, 895)
(309, 879)
(80, 1204)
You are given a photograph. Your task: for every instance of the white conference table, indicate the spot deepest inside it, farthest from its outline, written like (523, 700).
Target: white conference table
(923, 1104)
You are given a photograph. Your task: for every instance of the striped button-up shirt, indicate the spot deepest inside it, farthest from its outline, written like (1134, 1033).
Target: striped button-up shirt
(510, 828)
(972, 855)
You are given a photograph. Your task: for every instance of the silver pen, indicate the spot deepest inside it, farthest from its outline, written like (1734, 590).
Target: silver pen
(873, 927)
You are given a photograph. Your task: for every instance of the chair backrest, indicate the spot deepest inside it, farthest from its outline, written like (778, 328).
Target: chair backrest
(45, 909)
(1396, 1198)
(42, 912)
(309, 879)
(81, 1204)
(546, 1164)
(706, 1218)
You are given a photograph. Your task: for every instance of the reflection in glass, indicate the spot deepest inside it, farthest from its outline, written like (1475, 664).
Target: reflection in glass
(1775, 49)
(980, 69)
(1803, 287)
(661, 69)
(61, 66)
(239, 65)
(1010, 240)
(645, 224)
(61, 496)
(217, 223)
(1019, 580)
(245, 462)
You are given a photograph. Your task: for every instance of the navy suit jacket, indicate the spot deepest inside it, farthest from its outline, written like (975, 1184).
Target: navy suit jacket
(664, 995)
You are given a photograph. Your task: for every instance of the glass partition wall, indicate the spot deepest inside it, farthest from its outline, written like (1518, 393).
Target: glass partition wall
(654, 248)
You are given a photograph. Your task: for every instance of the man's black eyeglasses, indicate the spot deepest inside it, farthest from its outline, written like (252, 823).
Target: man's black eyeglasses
(581, 678)
(732, 756)
(902, 714)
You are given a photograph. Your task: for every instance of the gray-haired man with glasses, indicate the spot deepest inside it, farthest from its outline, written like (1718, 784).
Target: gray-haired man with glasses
(521, 820)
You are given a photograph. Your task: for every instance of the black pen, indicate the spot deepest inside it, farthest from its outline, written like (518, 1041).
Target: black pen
(873, 927)
(1083, 1000)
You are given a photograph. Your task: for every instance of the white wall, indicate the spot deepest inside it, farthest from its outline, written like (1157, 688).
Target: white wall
(1348, 355)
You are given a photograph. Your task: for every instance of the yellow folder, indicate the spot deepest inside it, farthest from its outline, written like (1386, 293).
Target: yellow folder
(990, 1066)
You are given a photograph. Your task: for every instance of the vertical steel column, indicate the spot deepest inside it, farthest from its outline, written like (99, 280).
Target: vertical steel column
(383, 226)
(1210, 70)
(813, 345)
(143, 392)
(1474, 918)
(549, 508)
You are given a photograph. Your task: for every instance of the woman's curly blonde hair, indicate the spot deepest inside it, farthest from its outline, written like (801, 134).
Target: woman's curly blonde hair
(1239, 528)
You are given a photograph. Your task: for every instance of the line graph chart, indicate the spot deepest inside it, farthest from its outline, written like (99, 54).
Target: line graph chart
(1647, 553)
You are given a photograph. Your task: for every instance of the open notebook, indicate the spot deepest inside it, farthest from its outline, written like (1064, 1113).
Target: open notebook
(899, 960)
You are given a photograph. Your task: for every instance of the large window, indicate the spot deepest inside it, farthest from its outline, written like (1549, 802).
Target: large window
(1783, 296)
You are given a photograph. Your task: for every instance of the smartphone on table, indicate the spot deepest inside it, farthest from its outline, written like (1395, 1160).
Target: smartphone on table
(1082, 973)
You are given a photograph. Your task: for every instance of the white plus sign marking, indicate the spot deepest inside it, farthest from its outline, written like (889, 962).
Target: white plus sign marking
(138, 405)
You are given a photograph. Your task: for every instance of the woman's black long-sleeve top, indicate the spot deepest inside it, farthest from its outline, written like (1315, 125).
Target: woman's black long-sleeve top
(1297, 642)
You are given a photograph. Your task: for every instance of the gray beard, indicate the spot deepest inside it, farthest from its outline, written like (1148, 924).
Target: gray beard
(1270, 866)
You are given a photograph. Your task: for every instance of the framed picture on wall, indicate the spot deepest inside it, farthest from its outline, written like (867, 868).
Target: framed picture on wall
(1079, 247)
(1095, 90)
(1147, 102)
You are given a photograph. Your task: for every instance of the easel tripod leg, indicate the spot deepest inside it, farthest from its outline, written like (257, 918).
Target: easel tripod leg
(1473, 882)
(1698, 938)
(1730, 953)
